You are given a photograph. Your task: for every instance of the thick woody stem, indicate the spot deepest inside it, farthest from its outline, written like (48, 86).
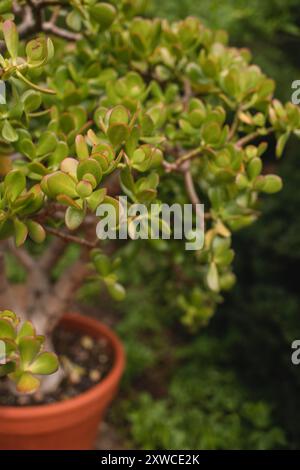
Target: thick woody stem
(38, 287)
(52, 254)
(28, 23)
(60, 297)
(49, 27)
(33, 20)
(70, 238)
(8, 300)
(22, 256)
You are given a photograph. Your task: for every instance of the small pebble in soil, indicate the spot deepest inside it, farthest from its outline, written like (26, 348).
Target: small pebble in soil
(87, 342)
(85, 360)
(74, 377)
(95, 375)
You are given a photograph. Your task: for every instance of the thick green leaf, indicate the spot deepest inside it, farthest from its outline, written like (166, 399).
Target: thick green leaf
(213, 278)
(36, 231)
(15, 183)
(29, 347)
(73, 218)
(95, 199)
(254, 168)
(27, 329)
(127, 183)
(21, 232)
(11, 38)
(39, 51)
(118, 133)
(32, 100)
(38, 168)
(27, 383)
(69, 165)
(281, 143)
(10, 316)
(61, 151)
(6, 329)
(84, 188)
(73, 20)
(8, 132)
(46, 363)
(119, 114)
(81, 147)
(60, 183)
(28, 148)
(89, 166)
(5, 6)
(103, 13)
(272, 184)
(47, 143)
(117, 291)
(211, 132)
(102, 264)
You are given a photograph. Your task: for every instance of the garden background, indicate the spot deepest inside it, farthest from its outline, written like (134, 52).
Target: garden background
(230, 385)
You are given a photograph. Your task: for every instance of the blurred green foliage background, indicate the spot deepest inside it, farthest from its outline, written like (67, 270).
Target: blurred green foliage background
(232, 384)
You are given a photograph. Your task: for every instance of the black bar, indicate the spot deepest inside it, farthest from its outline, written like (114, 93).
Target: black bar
(136, 458)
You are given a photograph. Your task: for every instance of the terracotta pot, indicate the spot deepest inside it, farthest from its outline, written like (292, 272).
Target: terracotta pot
(71, 424)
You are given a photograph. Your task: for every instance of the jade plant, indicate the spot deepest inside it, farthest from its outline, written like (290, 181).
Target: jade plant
(97, 102)
(23, 356)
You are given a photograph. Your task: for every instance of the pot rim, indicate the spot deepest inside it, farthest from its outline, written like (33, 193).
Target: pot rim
(90, 395)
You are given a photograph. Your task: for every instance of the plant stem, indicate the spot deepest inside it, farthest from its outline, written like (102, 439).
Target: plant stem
(7, 298)
(191, 191)
(33, 85)
(234, 125)
(254, 135)
(70, 238)
(49, 27)
(21, 254)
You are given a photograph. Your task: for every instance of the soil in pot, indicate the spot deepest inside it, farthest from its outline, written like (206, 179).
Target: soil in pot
(85, 360)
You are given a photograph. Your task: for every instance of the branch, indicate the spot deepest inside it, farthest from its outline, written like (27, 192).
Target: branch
(33, 19)
(53, 209)
(234, 125)
(49, 27)
(187, 93)
(71, 238)
(52, 254)
(37, 287)
(169, 167)
(191, 191)
(37, 14)
(189, 155)
(22, 255)
(179, 163)
(28, 23)
(254, 135)
(7, 298)
(63, 293)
